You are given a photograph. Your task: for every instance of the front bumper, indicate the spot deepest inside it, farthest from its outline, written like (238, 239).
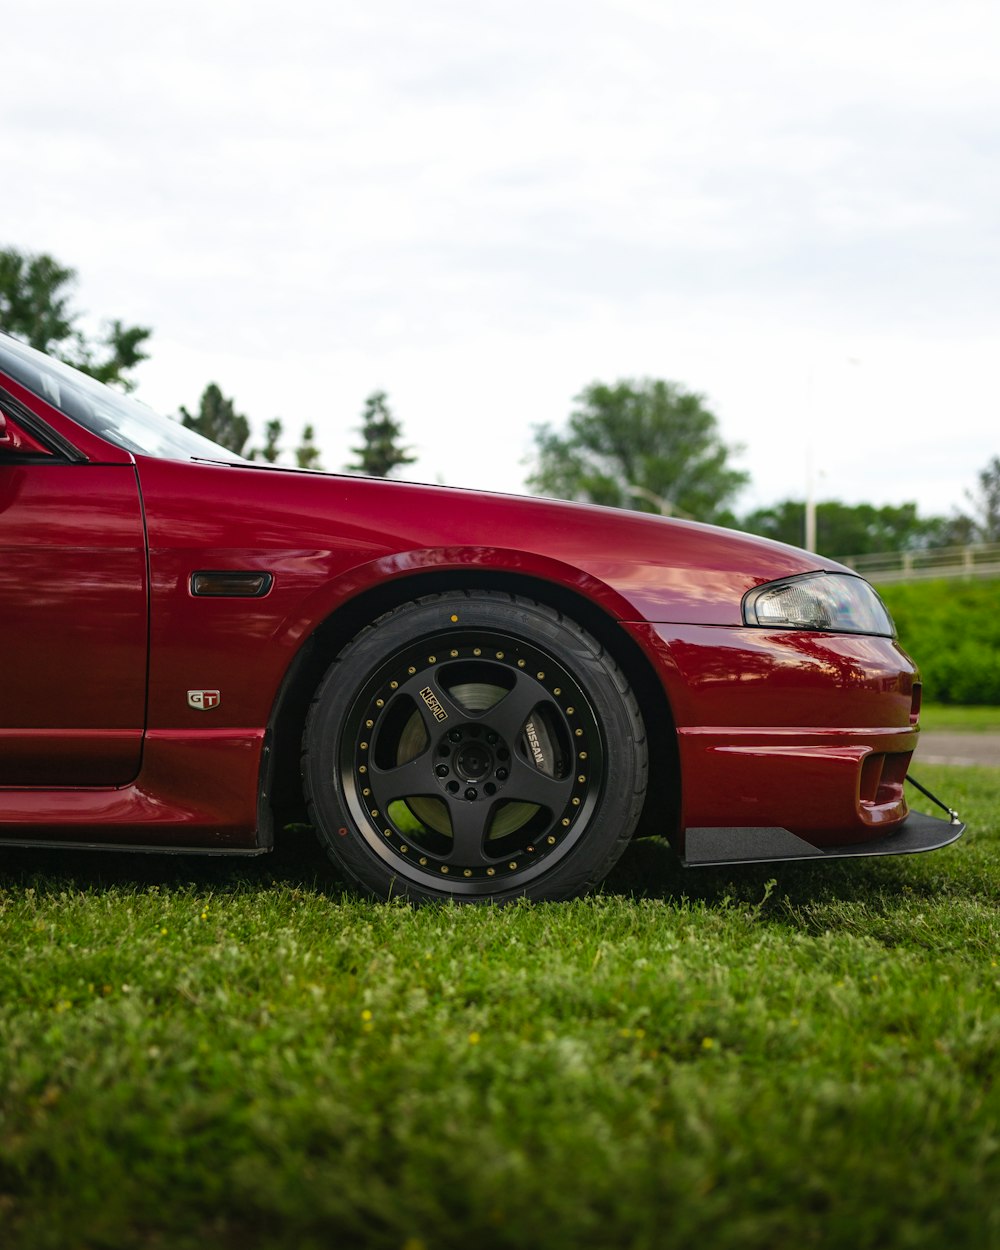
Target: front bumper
(793, 730)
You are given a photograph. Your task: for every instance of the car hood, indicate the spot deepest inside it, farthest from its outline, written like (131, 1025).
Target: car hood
(640, 566)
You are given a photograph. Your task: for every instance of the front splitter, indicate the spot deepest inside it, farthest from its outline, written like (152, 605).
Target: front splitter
(707, 846)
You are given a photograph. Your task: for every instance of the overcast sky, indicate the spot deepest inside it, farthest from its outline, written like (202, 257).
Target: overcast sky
(480, 207)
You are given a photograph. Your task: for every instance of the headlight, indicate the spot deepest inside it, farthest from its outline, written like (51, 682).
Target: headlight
(835, 602)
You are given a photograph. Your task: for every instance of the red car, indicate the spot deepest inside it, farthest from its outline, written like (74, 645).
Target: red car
(473, 696)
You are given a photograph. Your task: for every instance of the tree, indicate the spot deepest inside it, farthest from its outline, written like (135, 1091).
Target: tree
(271, 451)
(848, 529)
(35, 306)
(951, 531)
(307, 453)
(380, 452)
(218, 420)
(645, 444)
(984, 524)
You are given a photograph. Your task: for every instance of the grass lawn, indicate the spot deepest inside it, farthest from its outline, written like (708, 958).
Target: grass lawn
(944, 716)
(201, 1053)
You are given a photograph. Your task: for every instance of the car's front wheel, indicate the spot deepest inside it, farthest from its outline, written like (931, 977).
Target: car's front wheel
(475, 746)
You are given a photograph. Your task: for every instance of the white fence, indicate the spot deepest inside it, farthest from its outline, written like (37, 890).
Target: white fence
(980, 560)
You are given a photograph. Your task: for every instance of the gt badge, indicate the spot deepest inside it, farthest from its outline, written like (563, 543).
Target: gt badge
(204, 700)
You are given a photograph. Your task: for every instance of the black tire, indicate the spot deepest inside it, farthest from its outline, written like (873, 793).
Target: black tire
(474, 746)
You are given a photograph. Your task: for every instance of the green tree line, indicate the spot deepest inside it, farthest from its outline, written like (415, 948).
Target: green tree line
(647, 444)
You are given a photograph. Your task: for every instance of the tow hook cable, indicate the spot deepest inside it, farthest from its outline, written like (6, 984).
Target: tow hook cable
(934, 799)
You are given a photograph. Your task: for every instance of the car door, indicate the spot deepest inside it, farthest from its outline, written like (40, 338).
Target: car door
(73, 609)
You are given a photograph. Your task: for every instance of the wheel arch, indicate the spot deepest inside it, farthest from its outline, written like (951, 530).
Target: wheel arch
(661, 810)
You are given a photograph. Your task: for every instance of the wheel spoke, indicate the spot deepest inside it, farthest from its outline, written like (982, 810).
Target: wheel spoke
(508, 716)
(468, 825)
(528, 785)
(412, 778)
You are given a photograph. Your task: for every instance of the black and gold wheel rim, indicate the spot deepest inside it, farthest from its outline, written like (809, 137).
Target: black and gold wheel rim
(471, 762)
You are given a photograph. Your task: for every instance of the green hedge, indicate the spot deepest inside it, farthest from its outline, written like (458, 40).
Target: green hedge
(952, 630)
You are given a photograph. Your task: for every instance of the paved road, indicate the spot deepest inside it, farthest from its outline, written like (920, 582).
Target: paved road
(958, 748)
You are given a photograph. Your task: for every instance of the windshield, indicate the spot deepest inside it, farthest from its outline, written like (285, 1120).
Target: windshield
(119, 418)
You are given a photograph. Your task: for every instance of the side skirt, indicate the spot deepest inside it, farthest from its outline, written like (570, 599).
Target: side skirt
(704, 847)
(245, 852)
(196, 791)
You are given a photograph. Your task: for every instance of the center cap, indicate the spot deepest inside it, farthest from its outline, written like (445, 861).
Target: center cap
(473, 761)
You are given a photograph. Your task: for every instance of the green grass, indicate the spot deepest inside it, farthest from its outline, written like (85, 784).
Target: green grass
(203, 1054)
(942, 716)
